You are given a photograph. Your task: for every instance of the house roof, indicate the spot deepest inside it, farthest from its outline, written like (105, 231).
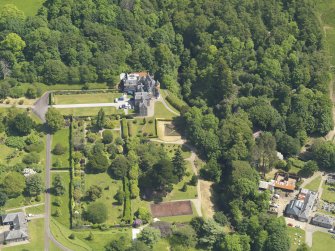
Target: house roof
(324, 219)
(18, 223)
(302, 208)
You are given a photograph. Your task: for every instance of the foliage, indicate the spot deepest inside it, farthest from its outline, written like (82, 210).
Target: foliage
(179, 164)
(149, 236)
(144, 214)
(184, 236)
(94, 192)
(127, 215)
(119, 244)
(100, 119)
(119, 196)
(3, 198)
(59, 149)
(57, 185)
(287, 145)
(34, 185)
(176, 102)
(97, 212)
(22, 124)
(107, 137)
(13, 184)
(97, 162)
(54, 119)
(309, 168)
(119, 167)
(32, 158)
(15, 142)
(323, 152)
(124, 128)
(221, 218)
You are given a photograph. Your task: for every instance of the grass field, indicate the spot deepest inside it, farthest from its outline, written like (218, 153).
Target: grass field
(162, 112)
(326, 9)
(89, 111)
(36, 233)
(328, 193)
(61, 137)
(177, 193)
(29, 7)
(294, 234)
(109, 188)
(35, 210)
(64, 208)
(86, 98)
(314, 184)
(323, 241)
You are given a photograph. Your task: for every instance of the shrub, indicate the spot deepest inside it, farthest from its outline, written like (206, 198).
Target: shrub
(127, 204)
(36, 147)
(184, 188)
(221, 218)
(124, 127)
(97, 213)
(59, 149)
(119, 196)
(92, 137)
(32, 138)
(107, 137)
(31, 158)
(15, 142)
(21, 101)
(176, 102)
(194, 180)
(144, 214)
(72, 236)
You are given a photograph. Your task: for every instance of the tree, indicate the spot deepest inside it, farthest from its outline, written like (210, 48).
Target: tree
(212, 170)
(3, 199)
(59, 149)
(149, 236)
(107, 137)
(22, 124)
(100, 119)
(58, 186)
(264, 152)
(179, 164)
(94, 192)
(309, 168)
(287, 145)
(90, 236)
(323, 152)
(119, 244)
(13, 184)
(144, 214)
(55, 72)
(31, 92)
(34, 185)
(31, 158)
(119, 196)
(138, 246)
(184, 236)
(221, 218)
(54, 119)
(13, 42)
(97, 213)
(303, 247)
(119, 167)
(97, 163)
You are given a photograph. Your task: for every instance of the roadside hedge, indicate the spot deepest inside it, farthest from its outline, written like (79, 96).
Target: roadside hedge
(124, 128)
(176, 102)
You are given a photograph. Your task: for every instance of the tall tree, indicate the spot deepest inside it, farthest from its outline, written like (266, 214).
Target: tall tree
(100, 119)
(178, 164)
(54, 119)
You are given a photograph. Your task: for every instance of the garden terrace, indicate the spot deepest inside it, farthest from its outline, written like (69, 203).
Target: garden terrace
(171, 209)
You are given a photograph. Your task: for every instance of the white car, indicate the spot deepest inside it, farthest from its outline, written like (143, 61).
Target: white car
(331, 231)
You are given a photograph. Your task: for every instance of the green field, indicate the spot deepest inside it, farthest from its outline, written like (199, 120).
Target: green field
(314, 184)
(36, 234)
(35, 210)
(109, 188)
(323, 242)
(64, 208)
(29, 7)
(328, 193)
(61, 137)
(294, 234)
(162, 112)
(86, 98)
(89, 111)
(326, 9)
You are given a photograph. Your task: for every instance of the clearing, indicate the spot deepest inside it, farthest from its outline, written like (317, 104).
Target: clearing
(29, 7)
(295, 235)
(314, 184)
(171, 209)
(86, 98)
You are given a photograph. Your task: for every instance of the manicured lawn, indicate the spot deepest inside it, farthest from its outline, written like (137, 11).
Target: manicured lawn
(53, 247)
(162, 112)
(109, 188)
(294, 234)
(61, 137)
(36, 234)
(177, 193)
(62, 234)
(89, 111)
(87, 98)
(328, 193)
(35, 210)
(323, 241)
(29, 7)
(64, 208)
(164, 94)
(140, 128)
(102, 238)
(314, 184)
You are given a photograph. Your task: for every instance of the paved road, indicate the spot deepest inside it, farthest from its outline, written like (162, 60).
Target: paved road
(40, 107)
(47, 232)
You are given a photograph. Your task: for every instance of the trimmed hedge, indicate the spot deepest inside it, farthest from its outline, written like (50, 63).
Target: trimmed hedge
(176, 102)
(124, 128)
(127, 217)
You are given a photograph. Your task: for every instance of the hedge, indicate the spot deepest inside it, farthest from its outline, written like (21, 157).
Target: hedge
(130, 128)
(124, 128)
(127, 217)
(176, 102)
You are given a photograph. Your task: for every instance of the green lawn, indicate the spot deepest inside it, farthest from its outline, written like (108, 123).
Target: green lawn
(64, 208)
(162, 112)
(61, 137)
(109, 188)
(36, 234)
(62, 233)
(29, 7)
(323, 242)
(294, 234)
(328, 193)
(177, 194)
(89, 111)
(326, 9)
(53, 247)
(314, 184)
(35, 210)
(86, 98)
(138, 128)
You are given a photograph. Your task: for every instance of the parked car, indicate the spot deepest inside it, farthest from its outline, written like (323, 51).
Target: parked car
(331, 231)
